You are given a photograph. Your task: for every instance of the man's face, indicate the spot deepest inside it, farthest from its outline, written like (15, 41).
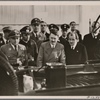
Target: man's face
(14, 40)
(36, 27)
(6, 35)
(43, 27)
(72, 39)
(73, 26)
(26, 37)
(53, 39)
(64, 32)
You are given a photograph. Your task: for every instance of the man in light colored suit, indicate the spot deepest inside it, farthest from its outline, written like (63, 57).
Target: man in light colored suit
(51, 51)
(15, 52)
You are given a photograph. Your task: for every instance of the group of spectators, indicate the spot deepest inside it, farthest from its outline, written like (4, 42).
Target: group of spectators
(34, 46)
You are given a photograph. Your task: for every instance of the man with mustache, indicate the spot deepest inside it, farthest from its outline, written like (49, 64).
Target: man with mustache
(51, 51)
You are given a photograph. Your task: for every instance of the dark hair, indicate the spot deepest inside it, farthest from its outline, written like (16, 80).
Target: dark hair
(72, 22)
(73, 33)
(43, 22)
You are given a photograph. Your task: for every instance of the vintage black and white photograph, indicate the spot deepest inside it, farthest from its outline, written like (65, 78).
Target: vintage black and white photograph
(50, 49)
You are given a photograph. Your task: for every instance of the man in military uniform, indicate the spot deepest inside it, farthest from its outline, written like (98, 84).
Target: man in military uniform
(76, 52)
(43, 35)
(73, 28)
(51, 51)
(15, 52)
(63, 37)
(6, 31)
(1, 40)
(31, 46)
(53, 27)
(35, 23)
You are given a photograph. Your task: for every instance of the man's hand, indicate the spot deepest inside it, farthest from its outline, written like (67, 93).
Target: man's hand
(19, 62)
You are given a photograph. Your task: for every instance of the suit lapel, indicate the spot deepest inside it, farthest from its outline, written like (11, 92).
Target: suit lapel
(48, 49)
(53, 52)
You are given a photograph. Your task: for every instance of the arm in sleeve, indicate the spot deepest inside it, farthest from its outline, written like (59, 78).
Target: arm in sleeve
(63, 57)
(2, 54)
(40, 57)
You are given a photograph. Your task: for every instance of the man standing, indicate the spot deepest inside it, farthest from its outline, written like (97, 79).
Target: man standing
(1, 40)
(75, 52)
(6, 31)
(63, 37)
(31, 46)
(15, 52)
(73, 28)
(43, 35)
(51, 51)
(35, 23)
(90, 41)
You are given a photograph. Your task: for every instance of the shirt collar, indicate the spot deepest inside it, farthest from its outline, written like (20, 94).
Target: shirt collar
(35, 33)
(13, 46)
(94, 35)
(52, 46)
(43, 33)
(64, 37)
(74, 45)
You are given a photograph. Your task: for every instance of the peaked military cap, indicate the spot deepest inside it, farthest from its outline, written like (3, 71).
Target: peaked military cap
(25, 29)
(65, 26)
(14, 33)
(7, 29)
(53, 26)
(35, 21)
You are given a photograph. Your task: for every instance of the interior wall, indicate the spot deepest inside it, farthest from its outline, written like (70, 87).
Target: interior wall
(57, 14)
(19, 16)
(15, 15)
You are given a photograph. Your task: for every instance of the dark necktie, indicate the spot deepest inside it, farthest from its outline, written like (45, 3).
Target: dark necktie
(16, 49)
(36, 36)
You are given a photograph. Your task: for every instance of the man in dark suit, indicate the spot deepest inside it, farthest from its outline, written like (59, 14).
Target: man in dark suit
(75, 52)
(90, 41)
(51, 51)
(31, 46)
(73, 28)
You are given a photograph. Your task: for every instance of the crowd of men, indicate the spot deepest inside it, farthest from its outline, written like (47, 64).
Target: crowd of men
(34, 46)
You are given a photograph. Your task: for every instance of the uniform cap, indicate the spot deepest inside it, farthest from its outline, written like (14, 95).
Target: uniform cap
(14, 33)
(53, 26)
(7, 29)
(65, 27)
(35, 21)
